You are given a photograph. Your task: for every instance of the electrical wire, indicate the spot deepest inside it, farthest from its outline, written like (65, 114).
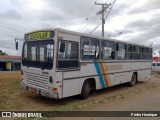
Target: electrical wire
(116, 12)
(101, 19)
(80, 27)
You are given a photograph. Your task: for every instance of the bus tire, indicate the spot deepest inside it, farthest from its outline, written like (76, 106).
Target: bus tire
(86, 89)
(133, 80)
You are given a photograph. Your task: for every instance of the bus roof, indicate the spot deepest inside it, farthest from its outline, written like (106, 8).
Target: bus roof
(86, 35)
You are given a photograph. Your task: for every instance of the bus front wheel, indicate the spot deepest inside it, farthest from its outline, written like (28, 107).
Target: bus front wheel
(86, 89)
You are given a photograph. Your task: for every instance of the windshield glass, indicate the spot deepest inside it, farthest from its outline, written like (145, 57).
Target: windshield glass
(38, 54)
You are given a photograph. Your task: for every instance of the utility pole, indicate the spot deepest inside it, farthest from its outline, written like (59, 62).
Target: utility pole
(104, 7)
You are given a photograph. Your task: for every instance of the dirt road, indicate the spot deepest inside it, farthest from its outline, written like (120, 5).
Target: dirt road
(145, 96)
(142, 97)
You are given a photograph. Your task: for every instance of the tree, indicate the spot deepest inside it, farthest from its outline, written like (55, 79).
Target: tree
(2, 53)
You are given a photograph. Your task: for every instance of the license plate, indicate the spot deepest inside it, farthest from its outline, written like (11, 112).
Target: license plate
(33, 90)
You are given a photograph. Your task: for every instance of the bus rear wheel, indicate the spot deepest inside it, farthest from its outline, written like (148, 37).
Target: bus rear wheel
(133, 80)
(86, 89)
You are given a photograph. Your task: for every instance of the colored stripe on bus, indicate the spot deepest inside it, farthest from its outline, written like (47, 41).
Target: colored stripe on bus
(108, 76)
(96, 64)
(104, 76)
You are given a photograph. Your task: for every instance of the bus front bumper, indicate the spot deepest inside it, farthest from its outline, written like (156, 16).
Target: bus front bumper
(39, 91)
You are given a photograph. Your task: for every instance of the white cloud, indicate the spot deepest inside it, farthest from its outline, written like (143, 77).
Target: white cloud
(138, 20)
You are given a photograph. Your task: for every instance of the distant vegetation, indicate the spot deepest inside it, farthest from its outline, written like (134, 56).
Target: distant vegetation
(2, 53)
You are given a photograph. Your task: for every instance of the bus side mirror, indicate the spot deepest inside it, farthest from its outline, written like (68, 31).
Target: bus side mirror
(62, 46)
(16, 45)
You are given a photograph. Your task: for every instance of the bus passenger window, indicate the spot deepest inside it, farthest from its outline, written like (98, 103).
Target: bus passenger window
(150, 54)
(89, 48)
(130, 50)
(137, 52)
(107, 50)
(121, 51)
(69, 57)
(144, 53)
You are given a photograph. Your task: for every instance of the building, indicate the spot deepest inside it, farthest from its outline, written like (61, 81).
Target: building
(10, 63)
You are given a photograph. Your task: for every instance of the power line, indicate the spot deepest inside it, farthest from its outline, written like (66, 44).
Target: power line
(103, 18)
(86, 26)
(95, 27)
(115, 12)
(123, 7)
(110, 9)
(87, 17)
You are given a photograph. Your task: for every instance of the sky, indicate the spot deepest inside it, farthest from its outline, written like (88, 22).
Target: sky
(136, 21)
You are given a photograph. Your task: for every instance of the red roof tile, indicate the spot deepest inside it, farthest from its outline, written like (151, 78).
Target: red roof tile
(10, 57)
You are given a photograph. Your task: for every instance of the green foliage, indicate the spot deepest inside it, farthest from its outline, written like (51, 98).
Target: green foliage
(2, 53)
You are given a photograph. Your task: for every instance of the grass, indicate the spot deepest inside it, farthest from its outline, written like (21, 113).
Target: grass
(12, 97)
(9, 84)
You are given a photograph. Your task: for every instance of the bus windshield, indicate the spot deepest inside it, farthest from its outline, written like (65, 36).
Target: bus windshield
(38, 54)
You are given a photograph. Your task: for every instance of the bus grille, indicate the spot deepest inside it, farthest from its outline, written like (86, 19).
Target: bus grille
(37, 80)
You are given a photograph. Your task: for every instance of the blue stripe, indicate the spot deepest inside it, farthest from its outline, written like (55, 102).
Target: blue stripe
(99, 74)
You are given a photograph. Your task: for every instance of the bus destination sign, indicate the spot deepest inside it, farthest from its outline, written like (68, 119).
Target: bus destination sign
(40, 35)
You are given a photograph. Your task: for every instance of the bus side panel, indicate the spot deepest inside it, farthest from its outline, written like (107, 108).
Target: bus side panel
(74, 86)
(58, 83)
(71, 87)
(143, 74)
(124, 71)
(99, 72)
(73, 80)
(115, 72)
(120, 78)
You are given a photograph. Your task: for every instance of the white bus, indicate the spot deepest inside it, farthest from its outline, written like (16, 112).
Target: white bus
(58, 63)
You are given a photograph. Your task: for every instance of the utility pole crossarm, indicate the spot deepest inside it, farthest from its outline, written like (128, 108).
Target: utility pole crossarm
(101, 3)
(105, 6)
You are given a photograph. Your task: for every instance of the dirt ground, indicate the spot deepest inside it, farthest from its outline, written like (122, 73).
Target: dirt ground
(144, 96)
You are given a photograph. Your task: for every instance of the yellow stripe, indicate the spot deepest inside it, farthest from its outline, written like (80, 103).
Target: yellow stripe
(104, 76)
(108, 76)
